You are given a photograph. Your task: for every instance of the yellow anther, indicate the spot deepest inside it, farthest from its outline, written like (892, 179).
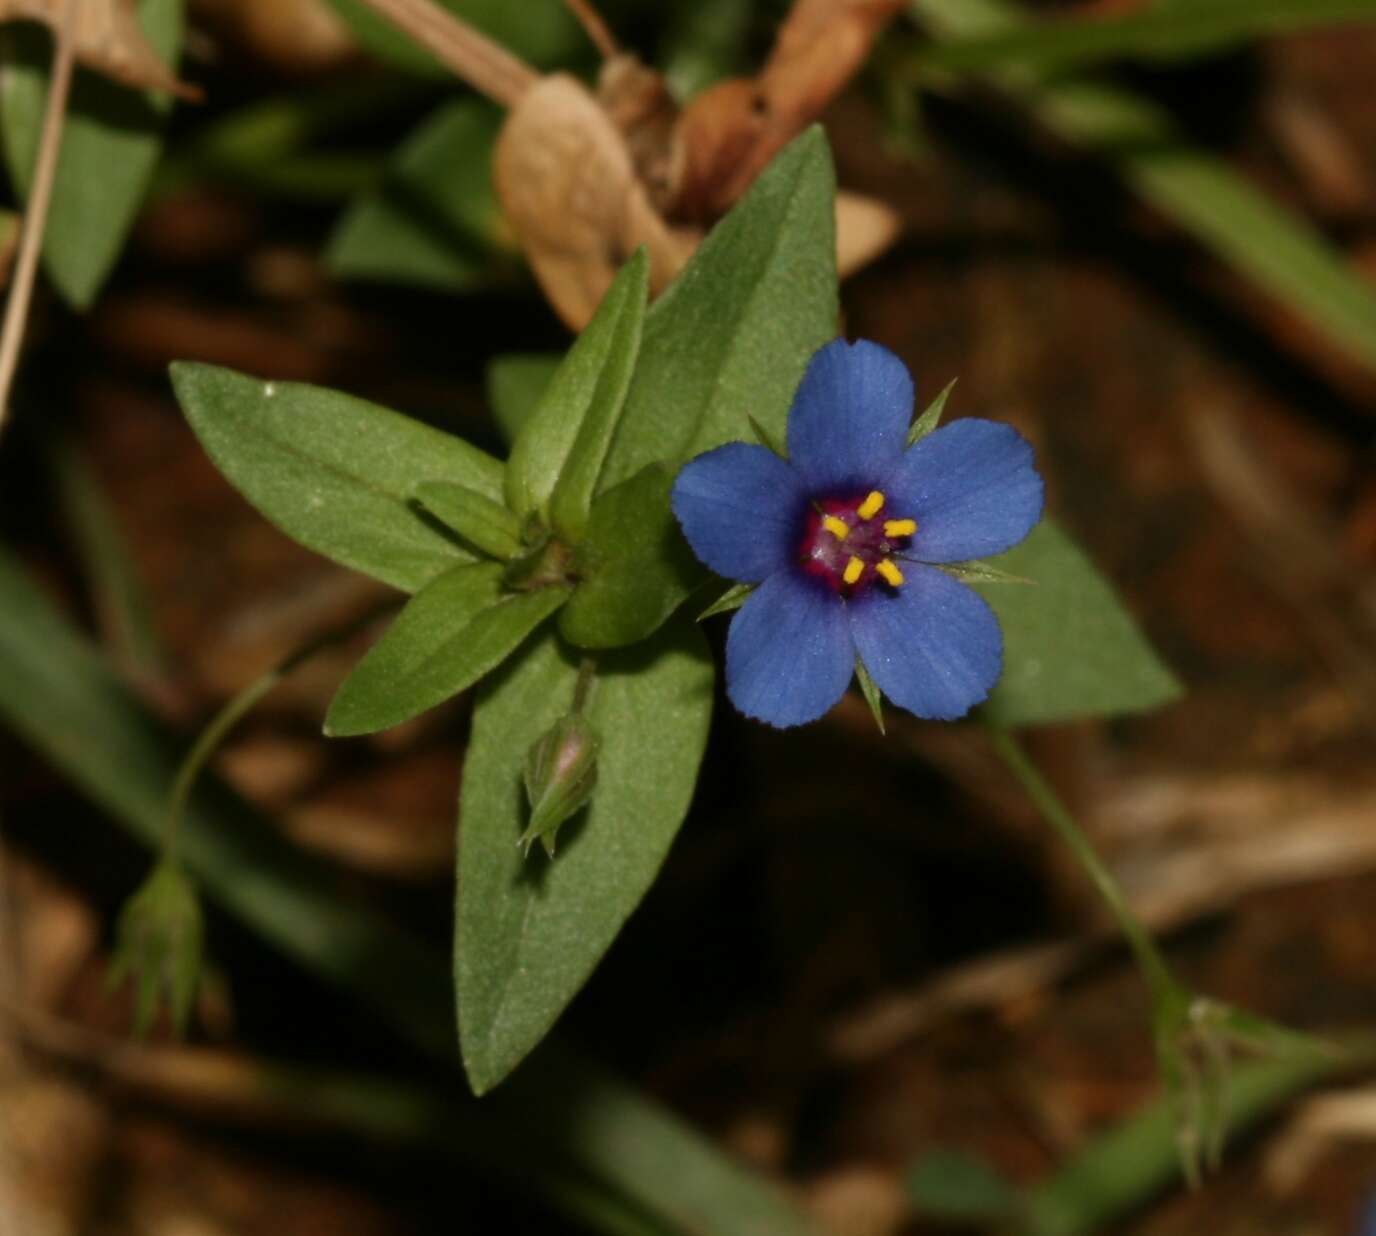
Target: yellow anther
(889, 571)
(854, 569)
(899, 527)
(837, 527)
(871, 506)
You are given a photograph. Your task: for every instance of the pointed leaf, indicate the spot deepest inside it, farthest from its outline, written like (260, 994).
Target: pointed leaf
(481, 521)
(434, 221)
(334, 472)
(573, 492)
(734, 332)
(634, 565)
(451, 633)
(547, 439)
(530, 932)
(1070, 648)
(110, 144)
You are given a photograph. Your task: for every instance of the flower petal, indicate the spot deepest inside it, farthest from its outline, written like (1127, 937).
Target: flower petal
(788, 653)
(850, 417)
(740, 507)
(933, 646)
(972, 488)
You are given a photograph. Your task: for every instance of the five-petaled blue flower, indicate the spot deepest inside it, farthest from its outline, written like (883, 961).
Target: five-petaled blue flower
(845, 538)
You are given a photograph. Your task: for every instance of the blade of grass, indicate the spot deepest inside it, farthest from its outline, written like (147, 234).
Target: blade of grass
(1270, 245)
(121, 601)
(561, 1116)
(1159, 28)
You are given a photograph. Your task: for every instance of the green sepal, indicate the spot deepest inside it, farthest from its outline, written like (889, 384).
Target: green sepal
(484, 523)
(931, 418)
(452, 632)
(634, 567)
(871, 693)
(580, 388)
(159, 943)
(766, 438)
(977, 571)
(733, 598)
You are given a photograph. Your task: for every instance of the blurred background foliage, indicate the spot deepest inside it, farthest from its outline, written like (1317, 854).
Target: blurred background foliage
(870, 991)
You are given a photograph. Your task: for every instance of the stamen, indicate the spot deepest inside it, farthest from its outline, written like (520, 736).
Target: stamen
(899, 527)
(871, 506)
(888, 571)
(854, 569)
(837, 527)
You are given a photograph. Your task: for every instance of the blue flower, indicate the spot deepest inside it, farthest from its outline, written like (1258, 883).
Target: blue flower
(845, 539)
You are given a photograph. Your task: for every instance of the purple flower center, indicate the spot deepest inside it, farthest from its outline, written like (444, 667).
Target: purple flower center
(851, 542)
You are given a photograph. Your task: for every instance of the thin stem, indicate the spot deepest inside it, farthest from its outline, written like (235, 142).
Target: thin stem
(595, 27)
(234, 711)
(36, 211)
(587, 672)
(1149, 958)
(483, 64)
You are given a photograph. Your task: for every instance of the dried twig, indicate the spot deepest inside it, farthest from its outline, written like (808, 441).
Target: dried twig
(483, 64)
(595, 27)
(36, 212)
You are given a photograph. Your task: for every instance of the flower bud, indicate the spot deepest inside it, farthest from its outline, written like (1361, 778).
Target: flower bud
(560, 776)
(158, 944)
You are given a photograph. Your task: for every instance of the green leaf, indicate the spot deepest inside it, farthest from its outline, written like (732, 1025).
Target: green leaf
(732, 599)
(577, 391)
(931, 418)
(634, 565)
(1277, 249)
(956, 1186)
(434, 221)
(529, 933)
(545, 35)
(571, 500)
(452, 632)
(1160, 29)
(733, 333)
(110, 144)
(334, 472)
(481, 521)
(608, 1164)
(515, 383)
(1070, 649)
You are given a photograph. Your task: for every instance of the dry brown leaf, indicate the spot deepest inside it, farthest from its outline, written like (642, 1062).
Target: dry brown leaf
(568, 186)
(109, 40)
(728, 134)
(865, 228)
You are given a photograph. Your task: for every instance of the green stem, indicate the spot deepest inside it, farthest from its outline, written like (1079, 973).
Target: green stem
(587, 673)
(234, 711)
(1154, 968)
